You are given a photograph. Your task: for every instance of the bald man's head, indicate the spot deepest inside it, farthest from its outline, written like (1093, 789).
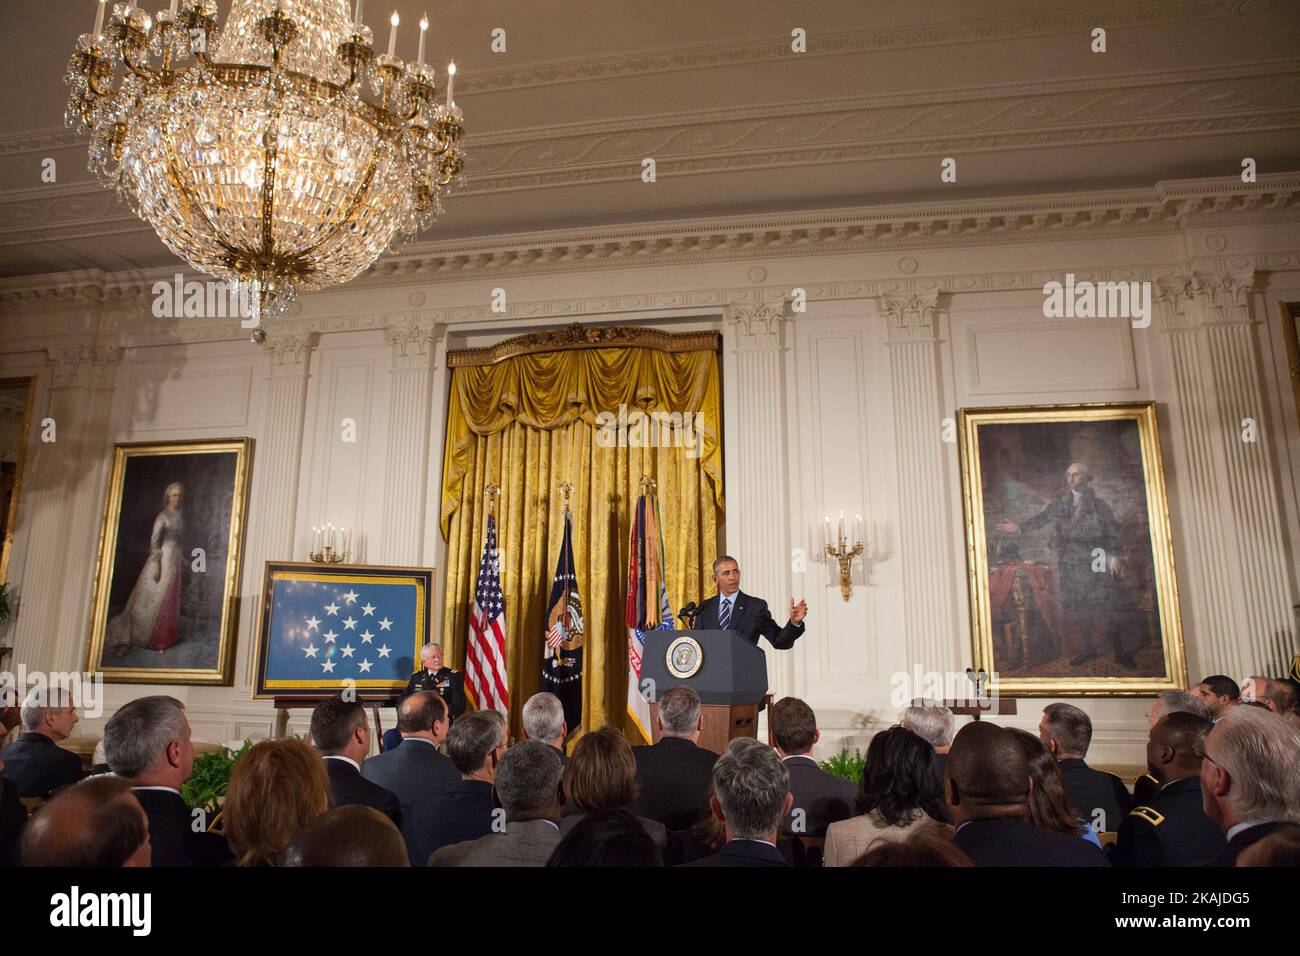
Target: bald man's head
(986, 774)
(350, 835)
(1175, 746)
(97, 822)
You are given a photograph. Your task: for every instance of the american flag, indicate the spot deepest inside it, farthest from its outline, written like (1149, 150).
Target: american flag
(485, 658)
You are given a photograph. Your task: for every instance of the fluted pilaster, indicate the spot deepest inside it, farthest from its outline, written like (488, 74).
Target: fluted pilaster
(1241, 599)
(925, 544)
(63, 499)
(413, 344)
(757, 487)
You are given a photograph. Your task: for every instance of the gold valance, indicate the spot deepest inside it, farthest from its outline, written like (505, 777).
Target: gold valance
(588, 373)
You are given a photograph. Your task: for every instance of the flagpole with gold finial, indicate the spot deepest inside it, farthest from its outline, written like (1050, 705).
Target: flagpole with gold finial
(491, 492)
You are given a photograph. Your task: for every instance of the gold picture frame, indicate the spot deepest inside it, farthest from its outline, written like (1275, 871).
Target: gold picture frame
(1091, 607)
(157, 616)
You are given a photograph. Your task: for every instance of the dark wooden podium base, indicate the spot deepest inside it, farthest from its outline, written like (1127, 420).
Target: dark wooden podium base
(722, 723)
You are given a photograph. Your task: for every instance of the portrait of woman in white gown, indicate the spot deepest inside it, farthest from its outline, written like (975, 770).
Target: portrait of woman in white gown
(151, 618)
(166, 594)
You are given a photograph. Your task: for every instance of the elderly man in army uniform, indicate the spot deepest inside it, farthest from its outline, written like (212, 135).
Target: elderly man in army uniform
(1083, 523)
(1172, 828)
(436, 676)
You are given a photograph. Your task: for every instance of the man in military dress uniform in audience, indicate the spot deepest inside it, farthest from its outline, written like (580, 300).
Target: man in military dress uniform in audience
(1172, 829)
(436, 676)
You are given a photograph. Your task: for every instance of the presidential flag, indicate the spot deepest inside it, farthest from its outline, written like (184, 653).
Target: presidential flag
(562, 658)
(648, 607)
(486, 682)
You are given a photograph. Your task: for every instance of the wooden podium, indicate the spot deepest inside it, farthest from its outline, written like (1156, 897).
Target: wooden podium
(728, 672)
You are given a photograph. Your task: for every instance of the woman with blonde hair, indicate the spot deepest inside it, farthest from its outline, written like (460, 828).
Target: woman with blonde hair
(276, 789)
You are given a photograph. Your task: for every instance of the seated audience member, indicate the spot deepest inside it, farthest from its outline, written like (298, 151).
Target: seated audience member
(348, 836)
(1176, 702)
(1250, 778)
(415, 772)
(751, 795)
(987, 788)
(1279, 848)
(1093, 795)
(820, 798)
(148, 743)
(1218, 693)
(544, 720)
(900, 792)
(1279, 696)
(935, 724)
(1172, 828)
(341, 733)
(35, 763)
(10, 712)
(601, 775)
(464, 812)
(528, 783)
(605, 838)
(1046, 808)
(97, 823)
(275, 790)
(672, 776)
(923, 846)
(13, 816)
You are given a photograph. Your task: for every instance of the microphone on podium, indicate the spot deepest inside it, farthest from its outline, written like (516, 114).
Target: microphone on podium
(688, 614)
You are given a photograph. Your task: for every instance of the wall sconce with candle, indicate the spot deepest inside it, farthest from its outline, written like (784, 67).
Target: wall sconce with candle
(325, 544)
(843, 550)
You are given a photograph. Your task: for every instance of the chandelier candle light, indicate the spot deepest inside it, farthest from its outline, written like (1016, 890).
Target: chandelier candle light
(278, 151)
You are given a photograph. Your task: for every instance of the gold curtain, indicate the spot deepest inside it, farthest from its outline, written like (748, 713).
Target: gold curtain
(529, 423)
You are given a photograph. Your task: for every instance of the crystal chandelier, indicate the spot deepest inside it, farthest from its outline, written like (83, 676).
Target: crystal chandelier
(254, 151)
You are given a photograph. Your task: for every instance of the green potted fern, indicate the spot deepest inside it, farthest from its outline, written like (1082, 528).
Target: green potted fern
(206, 788)
(842, 765)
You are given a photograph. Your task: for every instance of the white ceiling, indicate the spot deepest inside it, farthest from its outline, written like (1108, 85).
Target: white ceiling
(737, 123)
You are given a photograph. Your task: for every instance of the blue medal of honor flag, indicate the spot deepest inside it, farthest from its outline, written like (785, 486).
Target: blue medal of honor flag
(324, 628)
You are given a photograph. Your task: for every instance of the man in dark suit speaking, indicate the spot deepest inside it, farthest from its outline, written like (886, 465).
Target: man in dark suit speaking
(748, 616)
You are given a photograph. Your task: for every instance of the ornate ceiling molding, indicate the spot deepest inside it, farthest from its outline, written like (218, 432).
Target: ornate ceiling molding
(1110, 110)
(1166, 208)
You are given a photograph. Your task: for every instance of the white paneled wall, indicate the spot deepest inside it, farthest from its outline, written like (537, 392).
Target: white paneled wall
(841, 406)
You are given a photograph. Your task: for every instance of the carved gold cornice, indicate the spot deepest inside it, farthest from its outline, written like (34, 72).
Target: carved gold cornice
(579, 336)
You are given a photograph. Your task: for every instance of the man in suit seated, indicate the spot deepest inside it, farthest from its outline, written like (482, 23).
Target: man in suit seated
(748, 616)
(97, 822)
(528, 783)
(35, 763)
(341, 732)
(987, 789)
(673, 776)
(416, 772)
(544, 721)
(348, 836)
(465, 811)
(433, 675)
(751, 795)
(1250, 778)
(147, 742)
(933, 723)
(1098, 797)
(820, 798)
(1172, 828)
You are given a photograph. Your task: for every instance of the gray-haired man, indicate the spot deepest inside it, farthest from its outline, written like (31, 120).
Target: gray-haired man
(148, 743)
(751, 795)
(528, 786)
(34, 763)
(673, 776)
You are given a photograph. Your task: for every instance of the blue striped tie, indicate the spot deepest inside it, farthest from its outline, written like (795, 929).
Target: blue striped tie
(725, 617)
